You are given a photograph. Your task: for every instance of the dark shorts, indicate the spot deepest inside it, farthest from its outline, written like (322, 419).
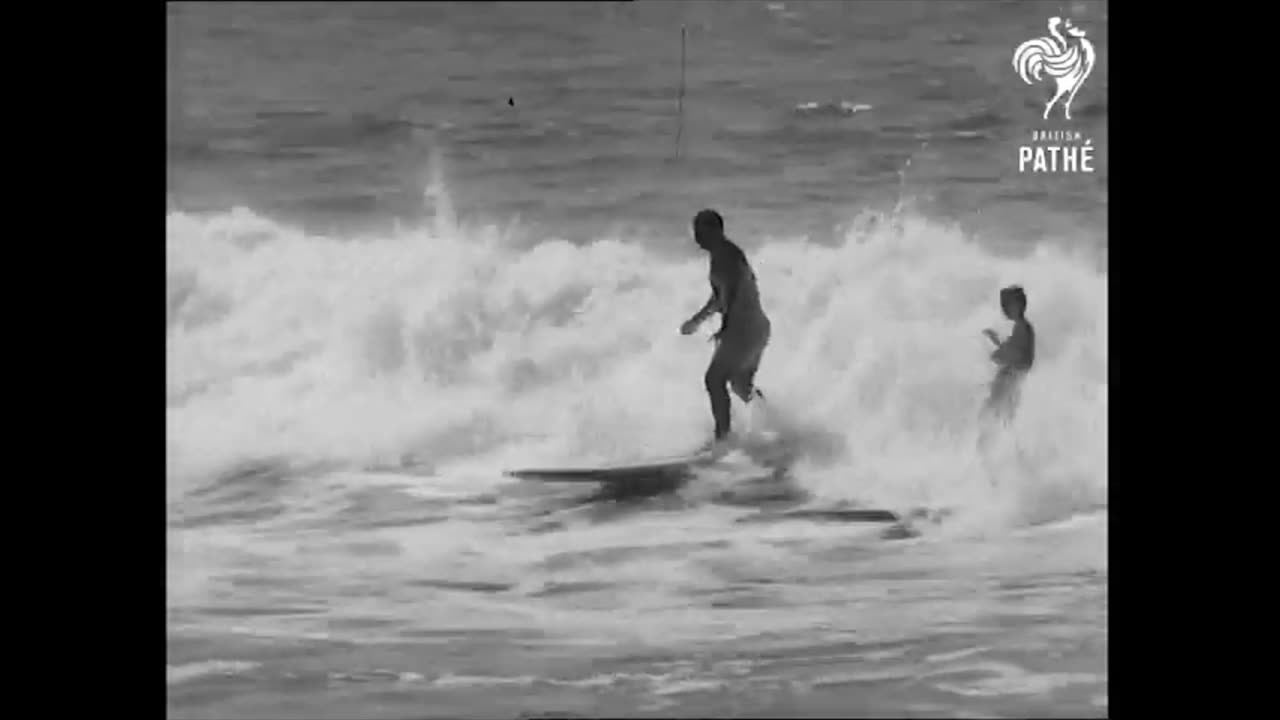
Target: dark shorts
(737, 358)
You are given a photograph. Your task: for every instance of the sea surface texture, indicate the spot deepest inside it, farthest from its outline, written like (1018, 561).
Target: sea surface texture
(410, 246)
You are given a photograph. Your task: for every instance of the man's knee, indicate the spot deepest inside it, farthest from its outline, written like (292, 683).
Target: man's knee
(715, 379)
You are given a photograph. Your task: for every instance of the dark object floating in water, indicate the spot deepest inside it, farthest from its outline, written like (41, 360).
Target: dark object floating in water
(849, 515)
(832, 515)
(900, 523)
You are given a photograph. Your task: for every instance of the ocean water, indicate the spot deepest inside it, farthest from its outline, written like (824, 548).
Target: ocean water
(412, 245)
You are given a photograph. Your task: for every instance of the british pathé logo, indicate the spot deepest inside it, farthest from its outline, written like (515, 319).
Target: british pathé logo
(1056, 151)
(1068, 62)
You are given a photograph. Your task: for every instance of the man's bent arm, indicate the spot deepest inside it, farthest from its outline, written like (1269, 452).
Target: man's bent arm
(706, 311)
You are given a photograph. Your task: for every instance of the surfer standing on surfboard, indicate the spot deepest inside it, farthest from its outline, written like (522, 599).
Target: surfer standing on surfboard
(744, 328)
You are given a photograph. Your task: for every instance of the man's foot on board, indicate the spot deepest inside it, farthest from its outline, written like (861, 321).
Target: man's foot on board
(718, 448)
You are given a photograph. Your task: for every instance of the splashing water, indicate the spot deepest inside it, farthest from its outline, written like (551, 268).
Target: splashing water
(472, 345)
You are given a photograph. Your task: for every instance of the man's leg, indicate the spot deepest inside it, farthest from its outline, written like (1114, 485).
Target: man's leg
(717, 378)
(743, 381)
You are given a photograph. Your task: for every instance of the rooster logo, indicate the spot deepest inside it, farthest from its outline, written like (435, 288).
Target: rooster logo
(1069, 62)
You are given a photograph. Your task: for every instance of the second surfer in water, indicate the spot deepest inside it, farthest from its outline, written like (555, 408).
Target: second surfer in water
(744, 328)
(1013, 356)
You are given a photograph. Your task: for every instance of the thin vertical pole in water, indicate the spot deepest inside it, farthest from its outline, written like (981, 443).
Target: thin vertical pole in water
(680, 100)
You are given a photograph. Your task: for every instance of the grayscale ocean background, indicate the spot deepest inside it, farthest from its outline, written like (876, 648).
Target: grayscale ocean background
(412, 245)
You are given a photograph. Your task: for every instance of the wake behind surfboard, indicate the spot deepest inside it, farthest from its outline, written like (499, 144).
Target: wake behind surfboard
(659, 475)
(678, 467)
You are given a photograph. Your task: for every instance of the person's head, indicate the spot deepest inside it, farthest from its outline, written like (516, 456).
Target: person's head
(1013, 301)
(708, 228)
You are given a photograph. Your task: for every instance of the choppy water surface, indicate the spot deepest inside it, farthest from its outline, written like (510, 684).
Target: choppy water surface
(386, 284)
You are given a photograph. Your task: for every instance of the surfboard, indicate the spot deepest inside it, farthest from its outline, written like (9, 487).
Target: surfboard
(654, 469)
